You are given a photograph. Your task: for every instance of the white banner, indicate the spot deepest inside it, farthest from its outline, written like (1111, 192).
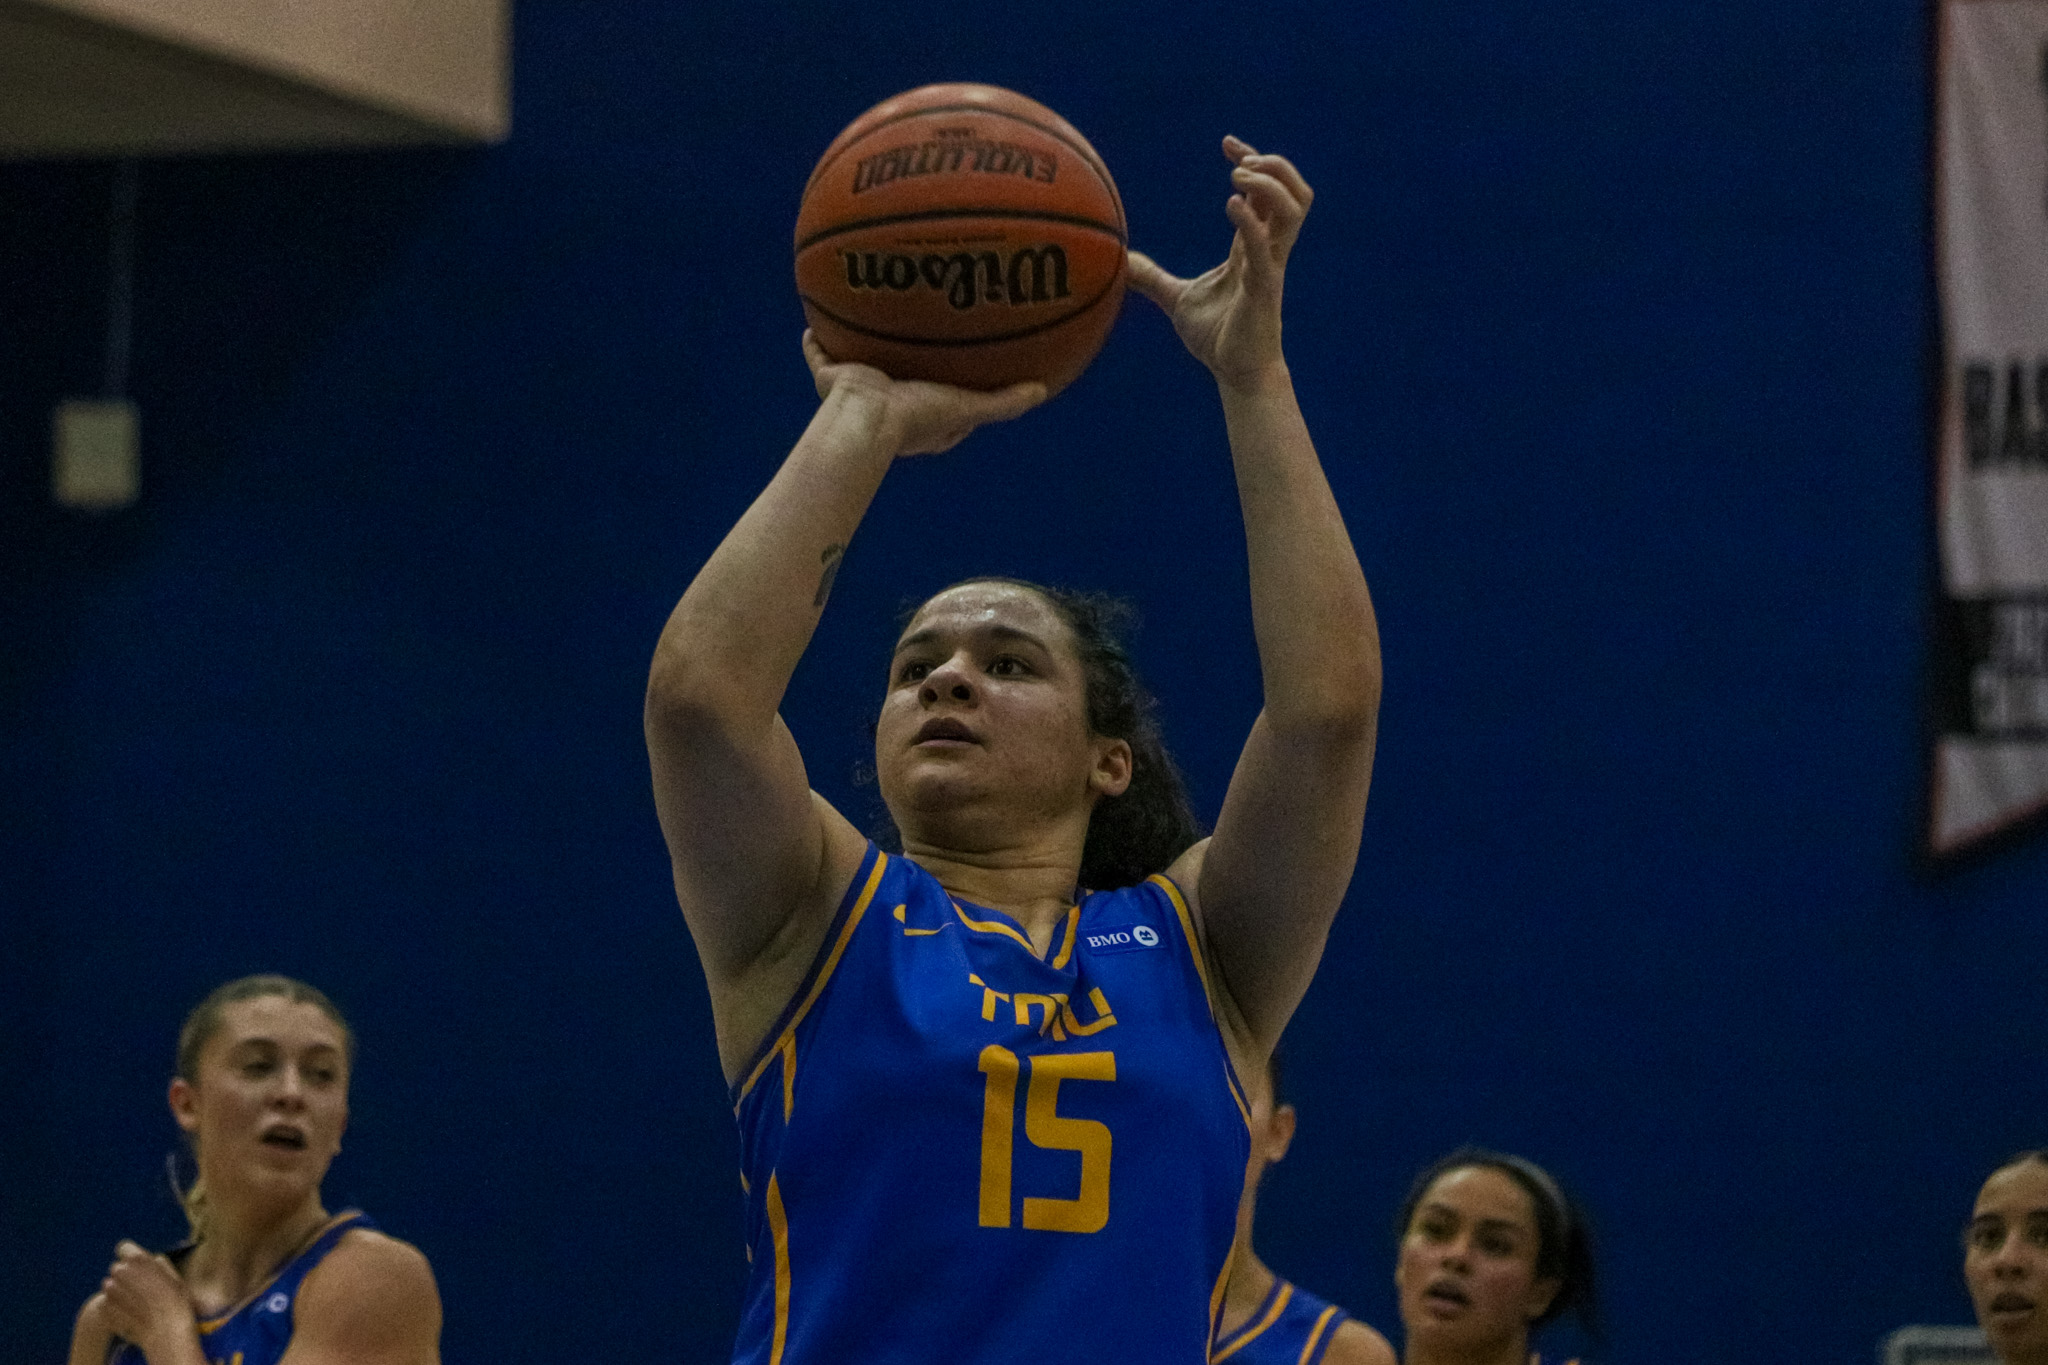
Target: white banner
(1990, 761)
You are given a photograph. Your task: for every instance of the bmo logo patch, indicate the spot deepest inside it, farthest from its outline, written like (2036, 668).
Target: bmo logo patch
(1132, 939)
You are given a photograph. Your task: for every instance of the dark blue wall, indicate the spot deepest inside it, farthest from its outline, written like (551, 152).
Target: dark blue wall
(1611, 321)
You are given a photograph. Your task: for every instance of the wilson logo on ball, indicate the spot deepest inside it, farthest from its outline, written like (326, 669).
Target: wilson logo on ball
(961, 234)
(954, 151)
(1032, 274)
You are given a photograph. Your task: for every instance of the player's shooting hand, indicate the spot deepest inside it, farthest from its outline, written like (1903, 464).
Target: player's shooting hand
(919, 418)
(1230, 317)
(145, 1302)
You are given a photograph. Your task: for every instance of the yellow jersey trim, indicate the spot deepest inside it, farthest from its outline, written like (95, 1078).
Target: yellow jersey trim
(909, 932)
(1187, 930)
(1273, 1312)
(1216, 1296)
(788, 1039)
(990, 926)
(213, 1324)
(1316, 1334)
(1059, 962)
(787, 1047)
(778, 1230)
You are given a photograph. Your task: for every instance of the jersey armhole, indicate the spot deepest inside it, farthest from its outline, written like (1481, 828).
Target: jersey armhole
(858, 892)
(1185, 918)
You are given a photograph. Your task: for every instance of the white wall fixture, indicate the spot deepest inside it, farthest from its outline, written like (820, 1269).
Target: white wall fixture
(99, 463)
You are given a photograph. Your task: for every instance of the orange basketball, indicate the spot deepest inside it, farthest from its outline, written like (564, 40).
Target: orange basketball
(964, 234)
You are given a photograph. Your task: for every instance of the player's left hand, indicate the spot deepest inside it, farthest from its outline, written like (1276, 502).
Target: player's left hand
(146, 1302)
(1230, 317)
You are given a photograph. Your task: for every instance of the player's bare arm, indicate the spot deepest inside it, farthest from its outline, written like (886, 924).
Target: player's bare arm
(91, 1336)
(759, 860)
(372, 1301)
(1268, 883)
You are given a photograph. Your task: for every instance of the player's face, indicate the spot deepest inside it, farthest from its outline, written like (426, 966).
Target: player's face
(2005, 1262)
(271, 1100)
(987, 709)
(1466, 1277)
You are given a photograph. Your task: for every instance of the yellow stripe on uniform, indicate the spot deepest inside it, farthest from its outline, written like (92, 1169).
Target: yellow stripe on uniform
(788, 1038)
(1187, 930)
(787, 1047)
(208, 1326)
(1272, 1316)
(1315, 1335)
(778, 1229)
(1216, 1297)
(1059, 963)
(989, 926)
(909, 932)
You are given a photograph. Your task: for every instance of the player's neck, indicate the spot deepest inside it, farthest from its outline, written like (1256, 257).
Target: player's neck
(1250, 1282)
(243, 1248)
(1513, 1351)
(1033, 885)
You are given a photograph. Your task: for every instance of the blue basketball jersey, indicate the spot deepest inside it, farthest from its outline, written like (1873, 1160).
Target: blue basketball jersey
(256, 1331)
(956, 1150)
(1289, 1327)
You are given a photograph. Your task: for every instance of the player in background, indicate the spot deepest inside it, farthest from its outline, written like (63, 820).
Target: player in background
(1266, 1320)
(1491, 1250)
(261, 1093)
(2005, 1259)
(985, 1083)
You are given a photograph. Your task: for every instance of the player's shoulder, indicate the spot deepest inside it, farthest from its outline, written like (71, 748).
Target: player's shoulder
(1354, 1343)
(377, 1257)
(370, 1272)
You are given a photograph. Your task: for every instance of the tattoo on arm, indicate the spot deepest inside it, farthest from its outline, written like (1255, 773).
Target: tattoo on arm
(830, 558)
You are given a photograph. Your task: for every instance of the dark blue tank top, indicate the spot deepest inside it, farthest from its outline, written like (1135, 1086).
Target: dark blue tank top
(956, 1150)
(1290, 1327)
(257, 1331)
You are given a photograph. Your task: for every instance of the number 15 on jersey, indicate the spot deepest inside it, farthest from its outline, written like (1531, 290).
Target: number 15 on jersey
(1088, 1211)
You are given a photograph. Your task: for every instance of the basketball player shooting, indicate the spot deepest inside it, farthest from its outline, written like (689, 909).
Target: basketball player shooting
(987, 1087)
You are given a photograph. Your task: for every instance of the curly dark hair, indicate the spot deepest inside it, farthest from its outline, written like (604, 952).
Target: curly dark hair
(1142, 830)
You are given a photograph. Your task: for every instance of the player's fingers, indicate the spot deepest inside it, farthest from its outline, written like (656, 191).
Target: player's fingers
(1236, 149)
(1254, 230)
(1279, 216)
(1273, 200)
(1007, 404)
(815, 357)
(1284, 171)
(125, 1250)
(814, 352)
(1154, 283)
(1254, 251)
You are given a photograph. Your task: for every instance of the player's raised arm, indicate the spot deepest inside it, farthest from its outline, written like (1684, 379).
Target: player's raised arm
(1269, 881)
(752, 849)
